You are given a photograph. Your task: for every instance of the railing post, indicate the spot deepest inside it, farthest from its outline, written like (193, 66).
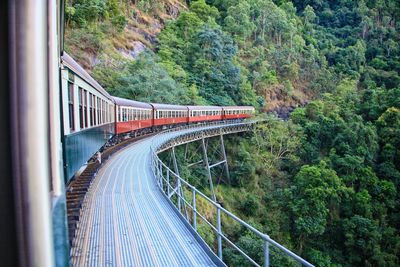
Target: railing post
(179, 194)
(168, 183)
(194, 209)
(266, 253)
(161, 178)
(159, 172)
(219, 237)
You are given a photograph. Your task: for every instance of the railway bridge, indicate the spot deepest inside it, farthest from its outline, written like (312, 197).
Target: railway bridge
(139, 212)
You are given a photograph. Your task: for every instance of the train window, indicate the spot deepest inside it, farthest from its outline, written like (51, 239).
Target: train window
(102, 110)
(94, 110)
(71, 106)
(109, 110)
(90, 109)
(106, 111)
(98, 111)
(85, 108)
(81, 117)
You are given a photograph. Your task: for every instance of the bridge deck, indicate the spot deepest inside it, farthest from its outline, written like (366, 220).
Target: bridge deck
(126, 221)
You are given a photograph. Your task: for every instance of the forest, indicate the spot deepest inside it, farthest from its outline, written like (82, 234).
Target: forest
(322, 177)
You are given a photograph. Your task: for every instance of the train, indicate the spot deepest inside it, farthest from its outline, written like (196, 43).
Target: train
(92, 117)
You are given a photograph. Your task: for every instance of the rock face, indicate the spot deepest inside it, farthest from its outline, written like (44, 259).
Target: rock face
(283, 112)
(137, 48)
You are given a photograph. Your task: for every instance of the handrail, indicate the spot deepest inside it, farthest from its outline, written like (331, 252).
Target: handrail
(164, 184)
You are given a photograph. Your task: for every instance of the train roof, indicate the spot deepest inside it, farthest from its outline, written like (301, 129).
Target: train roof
(169, 107)
(131, 103)
(238, 107)
(75, 67)
(204, 108)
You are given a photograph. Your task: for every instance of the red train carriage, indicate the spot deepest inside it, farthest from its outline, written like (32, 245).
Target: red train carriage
(236, 112)
(204, 113)
(169, 114)
(132, 115)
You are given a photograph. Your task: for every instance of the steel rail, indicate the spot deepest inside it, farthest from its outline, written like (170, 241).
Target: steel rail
(164, 142)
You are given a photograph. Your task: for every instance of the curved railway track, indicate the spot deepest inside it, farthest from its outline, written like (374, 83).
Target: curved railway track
(126, 221)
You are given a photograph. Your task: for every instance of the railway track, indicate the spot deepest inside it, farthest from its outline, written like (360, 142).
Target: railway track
(78, 187)
(126, 221)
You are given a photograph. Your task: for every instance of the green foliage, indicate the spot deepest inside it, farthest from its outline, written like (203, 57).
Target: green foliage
(250, 205)
(146, 80)
(82, 13)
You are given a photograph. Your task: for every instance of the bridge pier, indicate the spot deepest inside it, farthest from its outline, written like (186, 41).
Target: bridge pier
(224, 156)
(207, 165)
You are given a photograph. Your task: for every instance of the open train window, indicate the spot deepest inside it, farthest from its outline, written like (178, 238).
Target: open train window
(71, 106)
(98, 111)
(104, 111)
(81, 117)
(85, 108)
(91, 109)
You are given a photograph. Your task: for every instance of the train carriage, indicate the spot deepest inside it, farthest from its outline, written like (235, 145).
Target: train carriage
(165, 114)
(204, 113)
(237, 112)
(132, 115)
(88, 115)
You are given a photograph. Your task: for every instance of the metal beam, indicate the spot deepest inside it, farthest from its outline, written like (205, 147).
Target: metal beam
(207, 166)
(195, 163)
(224, 155)
(218, 163)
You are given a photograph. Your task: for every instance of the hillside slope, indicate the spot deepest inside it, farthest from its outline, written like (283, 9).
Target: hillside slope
(114, 30)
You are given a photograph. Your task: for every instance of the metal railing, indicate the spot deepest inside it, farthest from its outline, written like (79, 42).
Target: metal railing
(165, 178)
